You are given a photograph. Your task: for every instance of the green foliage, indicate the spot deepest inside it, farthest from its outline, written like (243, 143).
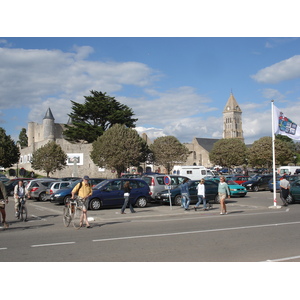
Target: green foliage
(99, 112)
(49, 158)
(168, 151)
(260, 154)
(118, 148)
(228, 153)
(23, 139)
(9, 151)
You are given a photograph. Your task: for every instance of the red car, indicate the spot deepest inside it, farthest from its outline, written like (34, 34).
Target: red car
(239, 179)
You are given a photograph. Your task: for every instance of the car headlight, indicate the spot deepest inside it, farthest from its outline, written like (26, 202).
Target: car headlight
(249, 184)
(56, 195)
(234, 190)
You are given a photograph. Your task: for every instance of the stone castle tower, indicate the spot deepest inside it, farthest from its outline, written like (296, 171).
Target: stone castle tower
(232, 120)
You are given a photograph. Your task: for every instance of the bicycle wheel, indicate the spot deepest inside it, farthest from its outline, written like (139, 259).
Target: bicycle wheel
(67, 218)
(23, 213)
(76, 218)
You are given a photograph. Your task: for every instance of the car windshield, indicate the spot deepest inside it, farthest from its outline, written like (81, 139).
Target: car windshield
(101, 184)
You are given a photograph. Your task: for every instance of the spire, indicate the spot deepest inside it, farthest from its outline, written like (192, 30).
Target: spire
(49, 114)
(231, 104)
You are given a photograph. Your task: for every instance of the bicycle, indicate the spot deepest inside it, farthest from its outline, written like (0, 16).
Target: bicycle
(22, 210)
(72, 212)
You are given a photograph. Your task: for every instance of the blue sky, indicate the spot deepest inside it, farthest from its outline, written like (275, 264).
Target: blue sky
(175, 86)
(175, 66)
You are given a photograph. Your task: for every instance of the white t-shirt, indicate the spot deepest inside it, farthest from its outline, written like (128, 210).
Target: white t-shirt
(201, 189)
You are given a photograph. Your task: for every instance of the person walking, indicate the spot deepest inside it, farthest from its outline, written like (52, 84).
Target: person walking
(284, 190)
(201, 195)
(127, 189)
(19, 195)
(185, 194)
(3, 201)
(84, 190)
(223, 192)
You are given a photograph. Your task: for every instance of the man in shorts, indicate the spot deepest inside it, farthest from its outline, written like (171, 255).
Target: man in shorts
(84, 190)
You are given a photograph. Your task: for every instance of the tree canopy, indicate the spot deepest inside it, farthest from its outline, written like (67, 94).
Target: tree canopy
(168, 151)
(228, 152)
(260, 154)
(9, 151)
(49, 158)
(119, 148)
(98, 113)
(23, 139)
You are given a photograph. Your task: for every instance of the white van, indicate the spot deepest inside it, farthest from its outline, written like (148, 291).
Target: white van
(288, 170)
(193, 172)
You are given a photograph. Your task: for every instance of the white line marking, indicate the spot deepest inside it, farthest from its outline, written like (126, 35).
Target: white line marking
(193, 232)
(54, 244)
(3, 248)
(283, 259)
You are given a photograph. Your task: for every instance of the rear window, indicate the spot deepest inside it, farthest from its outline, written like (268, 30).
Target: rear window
(147, 179)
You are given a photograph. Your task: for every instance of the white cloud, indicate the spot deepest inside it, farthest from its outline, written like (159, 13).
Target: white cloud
(285, 70)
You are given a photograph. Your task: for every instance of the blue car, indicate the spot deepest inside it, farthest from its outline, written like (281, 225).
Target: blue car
(110, 193)
(63, 196)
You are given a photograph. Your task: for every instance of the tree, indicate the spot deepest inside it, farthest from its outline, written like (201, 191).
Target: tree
(260, 154)
(49, 158)
(23, 139)
(9, 151)
(168, 151)
(228, 153)
(99, 112)
(118, 148)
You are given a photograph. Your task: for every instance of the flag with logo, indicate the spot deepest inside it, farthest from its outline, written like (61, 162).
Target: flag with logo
(285, 126)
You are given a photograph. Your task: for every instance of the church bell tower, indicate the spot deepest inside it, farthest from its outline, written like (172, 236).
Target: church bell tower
(232, 120)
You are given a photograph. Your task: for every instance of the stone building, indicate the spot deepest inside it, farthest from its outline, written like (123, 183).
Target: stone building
(232, 128)
(79, 162)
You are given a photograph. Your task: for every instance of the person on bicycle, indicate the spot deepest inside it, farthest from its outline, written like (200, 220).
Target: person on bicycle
(19, 195)
(84, 190)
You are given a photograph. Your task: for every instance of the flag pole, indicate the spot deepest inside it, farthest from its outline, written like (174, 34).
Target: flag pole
(273, 154)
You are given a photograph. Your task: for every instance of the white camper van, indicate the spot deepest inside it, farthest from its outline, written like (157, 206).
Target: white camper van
(193, 172)
(288, 170)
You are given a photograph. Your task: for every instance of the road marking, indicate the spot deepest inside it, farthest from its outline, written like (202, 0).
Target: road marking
(3, 248)
(54, 244)
(193, 232)
(283, 259)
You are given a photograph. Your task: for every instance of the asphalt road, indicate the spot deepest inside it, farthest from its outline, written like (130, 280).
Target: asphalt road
(251, 232)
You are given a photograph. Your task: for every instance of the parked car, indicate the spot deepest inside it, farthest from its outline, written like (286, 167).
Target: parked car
(290, 178)
(110, 192)
(55, 186)
(37, 188)
(69, 178)
(156, 182)
(234, 188)
(62, 196)
(10, 184)
(239, 179)
(294, 192)
(211, 193)
(258, 182)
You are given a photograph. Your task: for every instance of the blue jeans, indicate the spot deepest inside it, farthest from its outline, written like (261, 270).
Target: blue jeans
(125, 204)
(200, 200)
(185, 200)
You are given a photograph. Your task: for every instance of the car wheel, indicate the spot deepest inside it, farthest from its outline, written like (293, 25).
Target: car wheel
(67, 199)
(141, 202)
(255, 188)
(177, 200)
(290, 199)
(217, 199)
(42, 196)
(95, 204)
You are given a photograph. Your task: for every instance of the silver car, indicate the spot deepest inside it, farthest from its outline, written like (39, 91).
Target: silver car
(37, 188)
(156, 182)
(55, 186)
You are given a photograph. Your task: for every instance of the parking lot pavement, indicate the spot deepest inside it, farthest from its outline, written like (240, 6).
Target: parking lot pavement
(253, 202)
